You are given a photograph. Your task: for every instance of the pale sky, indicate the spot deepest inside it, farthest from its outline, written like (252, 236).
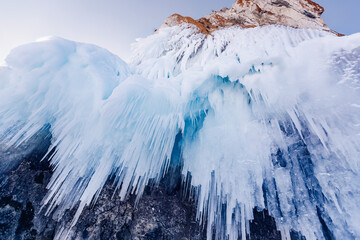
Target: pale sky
(115, 24)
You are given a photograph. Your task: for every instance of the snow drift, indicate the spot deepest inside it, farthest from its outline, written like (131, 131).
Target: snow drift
(268, 117)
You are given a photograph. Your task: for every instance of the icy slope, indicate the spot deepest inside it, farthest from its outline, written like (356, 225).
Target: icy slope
(269, 118)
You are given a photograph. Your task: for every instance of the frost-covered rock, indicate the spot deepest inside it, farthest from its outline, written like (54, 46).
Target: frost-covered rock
(304, 14)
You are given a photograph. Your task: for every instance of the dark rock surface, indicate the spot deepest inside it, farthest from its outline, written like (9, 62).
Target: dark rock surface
(162, 212)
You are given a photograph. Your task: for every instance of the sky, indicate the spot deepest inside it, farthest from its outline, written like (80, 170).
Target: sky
(115, 24)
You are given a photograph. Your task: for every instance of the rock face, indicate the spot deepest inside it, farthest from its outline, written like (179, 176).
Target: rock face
(254, 13)
(163, 212)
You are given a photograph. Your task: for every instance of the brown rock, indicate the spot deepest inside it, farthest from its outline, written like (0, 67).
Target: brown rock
(304, 14)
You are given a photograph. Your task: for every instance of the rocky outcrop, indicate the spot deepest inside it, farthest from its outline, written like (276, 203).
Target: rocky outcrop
(254, 13)
(160, 213)
(163, 212)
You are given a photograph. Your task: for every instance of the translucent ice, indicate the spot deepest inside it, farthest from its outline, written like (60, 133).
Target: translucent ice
(269, 118)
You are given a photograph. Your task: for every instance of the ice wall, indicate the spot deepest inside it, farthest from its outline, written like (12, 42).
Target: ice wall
(269, 118)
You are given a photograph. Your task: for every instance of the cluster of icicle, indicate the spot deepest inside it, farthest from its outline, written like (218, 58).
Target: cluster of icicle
(269, 118)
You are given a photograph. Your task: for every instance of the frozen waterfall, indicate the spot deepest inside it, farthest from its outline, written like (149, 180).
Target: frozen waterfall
(268, 117)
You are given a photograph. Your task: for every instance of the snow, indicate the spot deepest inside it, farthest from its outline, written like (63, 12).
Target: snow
(267, 119)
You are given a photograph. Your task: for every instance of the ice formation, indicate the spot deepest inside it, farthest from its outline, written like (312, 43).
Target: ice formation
(269, 118)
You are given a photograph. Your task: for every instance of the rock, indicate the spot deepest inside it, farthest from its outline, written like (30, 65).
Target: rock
(304, 14)
(163, 212)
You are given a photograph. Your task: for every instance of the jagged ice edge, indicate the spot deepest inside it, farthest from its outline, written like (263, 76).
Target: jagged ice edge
(249, 88)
